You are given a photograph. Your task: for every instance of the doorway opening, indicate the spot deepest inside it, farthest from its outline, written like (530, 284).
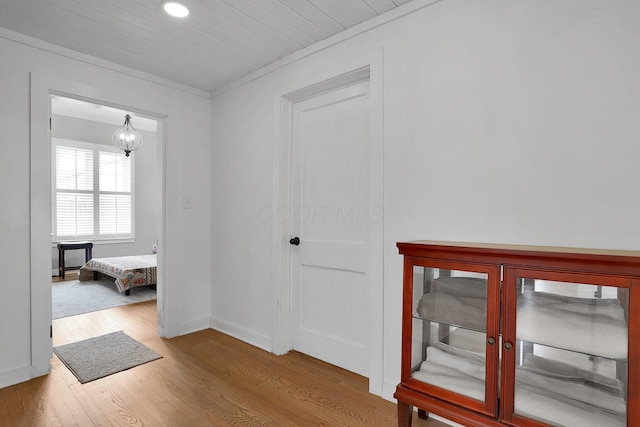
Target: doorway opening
(106, 199)
(41, 243)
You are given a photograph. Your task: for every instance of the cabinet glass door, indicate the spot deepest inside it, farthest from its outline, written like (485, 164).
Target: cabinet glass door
(570, 353)
(449, 332)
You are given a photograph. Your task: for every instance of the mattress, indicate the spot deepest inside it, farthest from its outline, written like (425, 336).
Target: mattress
(128, 271)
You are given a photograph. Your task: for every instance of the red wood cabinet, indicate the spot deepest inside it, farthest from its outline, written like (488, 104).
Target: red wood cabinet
(518, 335)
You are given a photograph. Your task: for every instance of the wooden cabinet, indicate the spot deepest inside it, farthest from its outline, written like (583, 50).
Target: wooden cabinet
(518, 335)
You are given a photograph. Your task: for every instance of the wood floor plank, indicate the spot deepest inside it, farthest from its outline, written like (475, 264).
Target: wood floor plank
(92, 403)
(203, 379)
(65, 398)
(204, 394)
(132, 407)
(170, 406)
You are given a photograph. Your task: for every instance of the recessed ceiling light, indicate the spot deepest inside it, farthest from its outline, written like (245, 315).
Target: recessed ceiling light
(175, 9)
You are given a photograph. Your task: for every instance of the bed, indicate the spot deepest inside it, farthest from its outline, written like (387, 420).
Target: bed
(129, 271)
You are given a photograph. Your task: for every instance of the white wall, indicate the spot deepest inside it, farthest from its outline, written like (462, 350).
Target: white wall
(148, 189)
(511, 122)
(186, 248)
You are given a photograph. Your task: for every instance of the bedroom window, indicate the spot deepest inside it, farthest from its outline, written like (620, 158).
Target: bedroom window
(92, 192)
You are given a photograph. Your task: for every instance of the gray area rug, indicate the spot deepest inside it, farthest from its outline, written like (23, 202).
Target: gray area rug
(101, 356)
(75, 297)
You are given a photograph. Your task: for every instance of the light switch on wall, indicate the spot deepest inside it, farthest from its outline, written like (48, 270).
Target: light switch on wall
(186, 202)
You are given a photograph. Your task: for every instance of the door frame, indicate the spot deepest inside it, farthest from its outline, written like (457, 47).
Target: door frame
(281, 215)
(42, 87)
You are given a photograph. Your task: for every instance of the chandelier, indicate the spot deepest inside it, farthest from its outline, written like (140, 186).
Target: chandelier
(127, 138)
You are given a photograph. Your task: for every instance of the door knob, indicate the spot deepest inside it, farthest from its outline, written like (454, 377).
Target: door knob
(295, 241)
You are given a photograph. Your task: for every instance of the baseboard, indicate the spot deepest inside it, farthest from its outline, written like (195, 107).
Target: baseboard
(194, 326)
(260, 341)
(387, 391)
(15, 376)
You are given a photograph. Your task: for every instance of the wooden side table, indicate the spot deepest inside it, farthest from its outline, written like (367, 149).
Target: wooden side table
(67, 246)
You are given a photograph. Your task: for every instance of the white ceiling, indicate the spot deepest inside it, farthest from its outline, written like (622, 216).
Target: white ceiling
(219, 42)
(80, 109)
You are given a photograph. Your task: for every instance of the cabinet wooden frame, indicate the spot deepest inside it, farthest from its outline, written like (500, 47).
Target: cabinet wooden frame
(509, 314)
(490, 405)
(620, 269)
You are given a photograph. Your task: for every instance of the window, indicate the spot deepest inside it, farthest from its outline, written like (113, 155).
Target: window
(92, 192)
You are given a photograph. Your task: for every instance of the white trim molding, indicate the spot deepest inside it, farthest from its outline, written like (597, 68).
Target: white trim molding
(42, 87)
(371, 69)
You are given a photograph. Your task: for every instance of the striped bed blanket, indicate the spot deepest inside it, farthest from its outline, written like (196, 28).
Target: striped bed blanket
(128, 271)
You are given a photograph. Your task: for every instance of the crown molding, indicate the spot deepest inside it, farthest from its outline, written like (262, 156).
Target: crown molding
(92, 60)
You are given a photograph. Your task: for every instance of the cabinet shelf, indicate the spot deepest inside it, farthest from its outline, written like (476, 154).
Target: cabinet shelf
(452, 325)
(583, 353)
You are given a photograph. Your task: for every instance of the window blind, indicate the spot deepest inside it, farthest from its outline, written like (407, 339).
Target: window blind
(92, 193)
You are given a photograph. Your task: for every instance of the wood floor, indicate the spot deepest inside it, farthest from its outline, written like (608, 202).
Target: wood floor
(204, 379)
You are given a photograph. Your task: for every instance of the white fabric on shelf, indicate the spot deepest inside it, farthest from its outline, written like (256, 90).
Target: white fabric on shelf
(589, 326)
(545, 390)
(467, 362)
(579, 384)
(454, 310)
(559, 411)
(450, 379)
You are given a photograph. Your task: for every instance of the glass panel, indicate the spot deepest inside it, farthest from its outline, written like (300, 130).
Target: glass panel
(449, 330)
(571, 353)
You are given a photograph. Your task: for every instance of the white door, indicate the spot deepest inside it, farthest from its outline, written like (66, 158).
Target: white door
(330, 217)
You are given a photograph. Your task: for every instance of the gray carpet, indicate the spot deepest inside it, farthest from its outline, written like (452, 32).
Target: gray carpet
(101, 356)
(75, 297)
